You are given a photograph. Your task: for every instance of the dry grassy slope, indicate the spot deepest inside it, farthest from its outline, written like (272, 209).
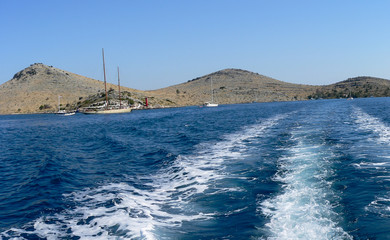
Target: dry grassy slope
(39, 85)
(364, 81)
(358, 87)
(234, 86)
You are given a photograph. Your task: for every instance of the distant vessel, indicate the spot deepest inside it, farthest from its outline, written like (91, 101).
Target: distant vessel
(108, 110)
(208, 104)
(63, 112)
(211, 104)
(350, 96)
(69, 113)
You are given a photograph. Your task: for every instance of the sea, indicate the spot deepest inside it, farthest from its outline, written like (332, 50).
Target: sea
(283, 170)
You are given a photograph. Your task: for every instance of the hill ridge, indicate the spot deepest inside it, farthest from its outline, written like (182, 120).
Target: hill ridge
(36, 89)
(39, 85)
(234, 86)
(229, 71)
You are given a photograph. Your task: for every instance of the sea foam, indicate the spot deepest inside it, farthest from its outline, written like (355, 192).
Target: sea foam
(370, 123)
(121, 210)
(381, 165)
(304, 209)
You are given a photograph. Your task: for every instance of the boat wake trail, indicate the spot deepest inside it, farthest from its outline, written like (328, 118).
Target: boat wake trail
(376, 163)
(305, 208)
(149, 207)
(367, 122)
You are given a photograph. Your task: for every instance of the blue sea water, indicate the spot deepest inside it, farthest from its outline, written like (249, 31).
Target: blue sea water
(286, 170)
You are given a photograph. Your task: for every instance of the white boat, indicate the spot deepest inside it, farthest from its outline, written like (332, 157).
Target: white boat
(63, 112)
(212, 103)
(207, 104)
(69, 113)
(107, 109)
(350, 96)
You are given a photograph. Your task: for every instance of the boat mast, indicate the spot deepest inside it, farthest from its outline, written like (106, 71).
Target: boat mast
(105, 82)
(119, 87)
(59, 103)
(212, 91)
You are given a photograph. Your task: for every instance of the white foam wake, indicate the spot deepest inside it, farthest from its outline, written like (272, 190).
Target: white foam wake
(381, 164)
(120, 210)
(368, 122)
(304, 208)
(380, 135)
(380, 206)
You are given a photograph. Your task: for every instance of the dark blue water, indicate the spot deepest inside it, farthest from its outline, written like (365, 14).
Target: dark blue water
(292, 170)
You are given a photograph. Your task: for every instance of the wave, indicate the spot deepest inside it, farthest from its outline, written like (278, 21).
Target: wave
(378, 164)
(154, 206)
(305, 207)
(370, 123)
(379, 139)
(380, 206)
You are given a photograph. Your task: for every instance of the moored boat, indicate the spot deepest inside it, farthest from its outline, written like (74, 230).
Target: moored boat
(106, 108)
(62, 111)
(212, 103)
(208, 104)
(108, 111)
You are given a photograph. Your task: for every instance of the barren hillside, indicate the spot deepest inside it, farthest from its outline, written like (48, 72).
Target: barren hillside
(358, 87)
(234, 86)
(37, 87)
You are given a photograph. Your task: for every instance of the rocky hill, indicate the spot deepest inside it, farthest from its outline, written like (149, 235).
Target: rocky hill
(36, 89)
(234, 86)
(358, 87)
(240, 86)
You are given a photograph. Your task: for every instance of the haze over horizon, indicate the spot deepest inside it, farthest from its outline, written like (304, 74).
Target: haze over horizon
(157, 44)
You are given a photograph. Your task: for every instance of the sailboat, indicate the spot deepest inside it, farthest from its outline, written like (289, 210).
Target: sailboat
(350, 96)
(63, 112)
(211, 104)
(108, 110)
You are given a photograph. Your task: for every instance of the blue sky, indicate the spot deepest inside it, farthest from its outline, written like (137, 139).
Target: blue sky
(161, 43)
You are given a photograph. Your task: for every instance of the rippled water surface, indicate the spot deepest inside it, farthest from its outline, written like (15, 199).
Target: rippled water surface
(288, 170)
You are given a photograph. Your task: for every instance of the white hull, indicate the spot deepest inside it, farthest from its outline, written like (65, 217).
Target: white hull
(109, 111)
(210, 104)
(63, 113)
